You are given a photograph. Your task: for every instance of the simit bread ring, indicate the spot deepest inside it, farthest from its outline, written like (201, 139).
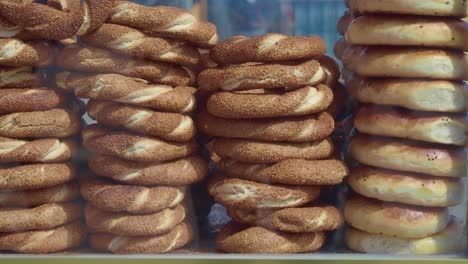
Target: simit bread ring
(344, 22)
(376, 61)
(408, 31)
(406, 188)
(35, 176)
(124, 224)
(235, 193)
(89, 59)
(423, 126)
(44, 241)
(109, 196)
(156, 244)
(264, 104)
(29, 100)
(57, 194)
(41, 124)
(450, 240)
(45, 216)
(235, 238)
(129, 41)
(134, 147)
(261, 76)
(165, 21)
(22, 77)
(40, 150)
(293, 129)
(271, 152)
(409, 156)
(180, 172)
(295, 220)
(118, 88)
(340, 48)
(340, 100)
(16, 53)
(168, 126)
(64, 5)
(332, 70)
(396, 220)
(291, 172)
(450, 8)
(267, 48)
(422, 95)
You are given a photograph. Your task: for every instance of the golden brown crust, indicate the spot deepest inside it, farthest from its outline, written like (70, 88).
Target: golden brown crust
(35, 176)
(408, 156)
(406, 188)
(340, 48)
(271, 152)
(296, 220)
(344, 22)
(251, 104)
(118, 88)
(176, 238)
(340, 100)
(90, 59)
(332, 71)
(22, 77)
(113, 197)
(64, 5)
(40, 150)
(291, 172)
(168, 126)
(134, 147)
(271, 47)
(44, 241)
(179, 172)
(165, 21)
(42, 217)
(129, 41)
(293, 129)
(396, 220)
(16, 53)
(261, 76)
(235, 238)
(249, 195)
(124, 224)
(41, 124)
(29, 100)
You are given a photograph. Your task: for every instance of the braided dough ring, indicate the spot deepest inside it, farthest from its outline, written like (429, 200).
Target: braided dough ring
(262, 76)
(134, 147)
(41, 124)
(267, 48)
(124, 224)
(89, 59)
(57, 194)
(41, 150)
(180, 172)
(155, 244)
(344, 22)
(118, 88)
(398, 220)
(129, 41)
(29, 100)
(35, 176)
(168, 126)
(16, 53)
(22, 77)
(408, 31)
(396, 154)
(265, 104)
(109, 196)
(235, 193)
(44, 241)
(45, 216)
(293, 129)
(406, 188)
(235, 238)
(271, 152)
(165, 21)
(404, 62)
(295, 220)
(422, 126)
(290, 172)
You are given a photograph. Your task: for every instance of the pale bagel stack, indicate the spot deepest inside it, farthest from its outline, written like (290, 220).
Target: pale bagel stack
(39, 128)
(138, 69)
(407, 64)
(271, 110)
